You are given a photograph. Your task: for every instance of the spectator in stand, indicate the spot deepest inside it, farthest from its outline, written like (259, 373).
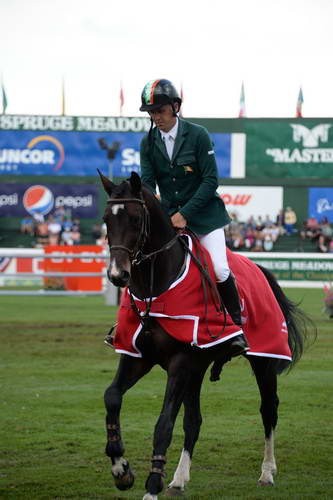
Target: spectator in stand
(96, 232)
(260, 223)
(271, 231)
(76, 235)
(326, 228)
(290, 220)
(67, 223)
(54, 229)
(249, 237)
(42, 234)
(27, 226)
(59, 214)
(66, 237)
(322, 245)
(280, 221)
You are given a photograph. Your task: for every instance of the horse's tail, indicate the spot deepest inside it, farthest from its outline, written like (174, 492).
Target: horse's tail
(298, 323)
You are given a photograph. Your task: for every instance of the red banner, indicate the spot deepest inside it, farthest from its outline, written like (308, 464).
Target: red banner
(83, 265)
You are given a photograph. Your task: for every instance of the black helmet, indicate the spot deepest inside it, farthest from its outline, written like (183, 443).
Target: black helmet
(156, 93)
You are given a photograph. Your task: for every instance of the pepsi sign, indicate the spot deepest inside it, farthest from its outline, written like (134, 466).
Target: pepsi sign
(17, 200)
(38, 200)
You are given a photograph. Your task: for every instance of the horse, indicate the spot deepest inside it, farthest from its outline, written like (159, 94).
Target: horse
(147, 255)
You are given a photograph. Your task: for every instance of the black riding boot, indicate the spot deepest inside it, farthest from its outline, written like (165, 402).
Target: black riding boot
(229, 295)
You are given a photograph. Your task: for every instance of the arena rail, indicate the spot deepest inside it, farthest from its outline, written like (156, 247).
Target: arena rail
(110, 292)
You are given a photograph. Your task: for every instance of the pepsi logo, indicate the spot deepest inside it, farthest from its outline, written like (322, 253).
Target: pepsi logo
(38, 200)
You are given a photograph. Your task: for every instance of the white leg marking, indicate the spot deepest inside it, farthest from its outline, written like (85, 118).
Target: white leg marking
(268, 467)
(182, 474)
(117, 468)
(148, 496)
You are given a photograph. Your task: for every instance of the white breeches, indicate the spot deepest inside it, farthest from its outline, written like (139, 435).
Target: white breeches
(214, 242)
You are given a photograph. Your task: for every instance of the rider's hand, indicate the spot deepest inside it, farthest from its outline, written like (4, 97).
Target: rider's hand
(178, 221)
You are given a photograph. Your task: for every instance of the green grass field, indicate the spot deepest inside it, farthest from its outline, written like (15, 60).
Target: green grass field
(55, 367)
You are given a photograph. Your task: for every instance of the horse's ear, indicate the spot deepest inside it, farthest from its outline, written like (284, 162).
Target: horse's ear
(107, 184)
(135, 183)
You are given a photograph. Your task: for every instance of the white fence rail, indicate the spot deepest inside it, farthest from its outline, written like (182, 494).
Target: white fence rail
(110, 292)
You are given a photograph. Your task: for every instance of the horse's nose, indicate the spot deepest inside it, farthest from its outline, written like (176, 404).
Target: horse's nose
(120, 279)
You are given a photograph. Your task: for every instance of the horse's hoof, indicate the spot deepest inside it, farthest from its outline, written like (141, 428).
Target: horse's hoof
(265, 483)
(174, 492)
(125, 481)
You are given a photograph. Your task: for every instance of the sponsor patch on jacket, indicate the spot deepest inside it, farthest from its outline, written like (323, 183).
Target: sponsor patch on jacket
(211, 152)
(187, 169)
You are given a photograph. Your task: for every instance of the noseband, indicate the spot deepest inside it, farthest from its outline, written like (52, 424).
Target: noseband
(144, 230)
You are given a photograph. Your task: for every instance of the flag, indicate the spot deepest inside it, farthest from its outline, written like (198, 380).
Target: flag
(182, 98)
(300, 101)
(121, 99)
(242, 111)
(63, 101)
(4, 99)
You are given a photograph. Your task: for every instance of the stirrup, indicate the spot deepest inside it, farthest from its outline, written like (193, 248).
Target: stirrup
(108, 340)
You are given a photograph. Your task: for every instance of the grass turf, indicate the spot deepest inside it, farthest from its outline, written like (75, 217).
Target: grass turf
(55, 367)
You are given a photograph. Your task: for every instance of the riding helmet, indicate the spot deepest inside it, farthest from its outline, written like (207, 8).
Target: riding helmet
(156, 93)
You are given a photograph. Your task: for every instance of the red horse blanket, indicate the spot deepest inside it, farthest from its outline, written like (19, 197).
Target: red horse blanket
(181, 311)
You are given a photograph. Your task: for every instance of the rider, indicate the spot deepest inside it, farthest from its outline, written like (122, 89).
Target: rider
(178, 156)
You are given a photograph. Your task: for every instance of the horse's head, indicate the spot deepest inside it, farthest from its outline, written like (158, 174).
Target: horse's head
(126, 220)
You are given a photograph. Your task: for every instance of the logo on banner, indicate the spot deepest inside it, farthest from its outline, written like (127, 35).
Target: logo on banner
(310, 139)
(54, 141)
(38, 200)
(11, 158)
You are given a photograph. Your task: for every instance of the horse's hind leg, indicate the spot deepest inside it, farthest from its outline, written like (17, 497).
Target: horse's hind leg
(191, 425)
(130, 370)
(264, 370)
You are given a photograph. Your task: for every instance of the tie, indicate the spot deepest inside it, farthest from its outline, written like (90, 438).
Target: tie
(169, 143)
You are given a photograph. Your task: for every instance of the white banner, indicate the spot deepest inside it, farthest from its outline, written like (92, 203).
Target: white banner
(244, 201)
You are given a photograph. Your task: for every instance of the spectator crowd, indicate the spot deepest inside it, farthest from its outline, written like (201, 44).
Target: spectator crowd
(260, 234)
(257, 234)
(57, 229)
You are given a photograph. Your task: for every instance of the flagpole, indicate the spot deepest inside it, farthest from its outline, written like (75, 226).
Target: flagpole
(299, 104)
(121, 99)
(4, 97)
(242, 110)
(63, 102)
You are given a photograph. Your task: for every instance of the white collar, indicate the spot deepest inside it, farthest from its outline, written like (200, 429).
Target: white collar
(172, 132)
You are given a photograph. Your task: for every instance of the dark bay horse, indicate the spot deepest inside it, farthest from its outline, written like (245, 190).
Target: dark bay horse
(147, 256)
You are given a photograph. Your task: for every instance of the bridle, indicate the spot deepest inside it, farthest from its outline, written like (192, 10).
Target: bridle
(135, 252)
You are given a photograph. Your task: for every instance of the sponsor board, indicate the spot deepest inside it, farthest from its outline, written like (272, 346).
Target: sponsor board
(289, 148)
(321, 203)
(247, 201)
(60, 153)
(300, 267)
(18, 200)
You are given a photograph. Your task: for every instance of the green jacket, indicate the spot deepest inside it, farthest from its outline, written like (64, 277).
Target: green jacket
(189, 181)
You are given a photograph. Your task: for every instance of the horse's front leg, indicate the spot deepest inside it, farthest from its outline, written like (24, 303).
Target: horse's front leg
(191, 425)
(178, 378)
(130, 370)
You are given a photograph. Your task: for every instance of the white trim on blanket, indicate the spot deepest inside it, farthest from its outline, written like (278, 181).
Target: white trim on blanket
(266, 355)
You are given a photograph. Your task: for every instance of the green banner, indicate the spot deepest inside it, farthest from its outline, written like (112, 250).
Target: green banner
(289, 148)
(297, 269)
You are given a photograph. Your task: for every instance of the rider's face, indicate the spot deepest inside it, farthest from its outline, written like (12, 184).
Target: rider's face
(163, 117)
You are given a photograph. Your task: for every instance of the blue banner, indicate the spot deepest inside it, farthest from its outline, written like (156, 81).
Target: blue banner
(18, 200)
(321, 203)
(80, 153)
